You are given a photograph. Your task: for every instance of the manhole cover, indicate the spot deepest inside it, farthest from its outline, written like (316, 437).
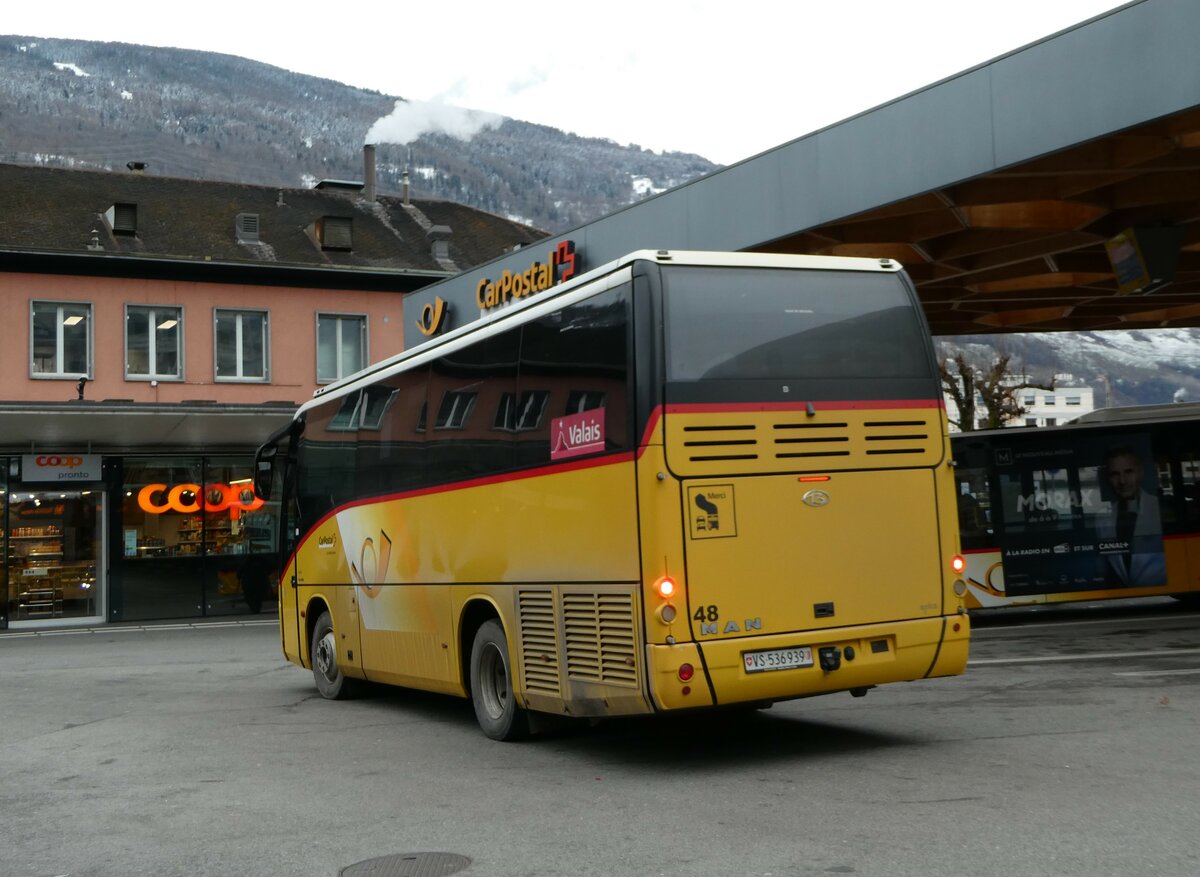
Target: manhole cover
(408, 865)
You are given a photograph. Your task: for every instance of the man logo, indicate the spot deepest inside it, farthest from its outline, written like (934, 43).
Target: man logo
(815, 498)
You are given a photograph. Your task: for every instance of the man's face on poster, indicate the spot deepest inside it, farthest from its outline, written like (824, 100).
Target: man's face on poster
(1124, 473)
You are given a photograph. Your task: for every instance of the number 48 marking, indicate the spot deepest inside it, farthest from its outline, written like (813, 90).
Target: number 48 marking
(707, 613)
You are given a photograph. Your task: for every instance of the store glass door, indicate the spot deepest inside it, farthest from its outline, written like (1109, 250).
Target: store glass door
(54, 545)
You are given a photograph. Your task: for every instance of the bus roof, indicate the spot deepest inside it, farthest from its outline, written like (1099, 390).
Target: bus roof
(663, 257)
(1142, 413)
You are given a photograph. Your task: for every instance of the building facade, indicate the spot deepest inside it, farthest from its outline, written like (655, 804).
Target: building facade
(153, 332)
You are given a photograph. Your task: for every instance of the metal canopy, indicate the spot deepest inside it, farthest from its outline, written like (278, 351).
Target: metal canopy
(1023, 248)
(106, 427)
(995, 188)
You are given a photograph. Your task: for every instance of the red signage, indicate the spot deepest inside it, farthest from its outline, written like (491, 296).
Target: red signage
(577, 434)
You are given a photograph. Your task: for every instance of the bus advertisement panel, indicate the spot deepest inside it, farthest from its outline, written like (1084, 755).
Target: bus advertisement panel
(1079, 517)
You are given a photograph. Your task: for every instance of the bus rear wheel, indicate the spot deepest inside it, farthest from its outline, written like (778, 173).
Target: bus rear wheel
(328, 675)
(491, 685)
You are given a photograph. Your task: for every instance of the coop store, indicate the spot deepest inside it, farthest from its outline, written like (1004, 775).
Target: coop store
(101, 528)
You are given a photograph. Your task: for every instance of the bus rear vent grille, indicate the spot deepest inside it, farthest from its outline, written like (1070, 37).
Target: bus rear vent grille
(897, 437)
(539, 643)
(790, 442)
(600, 640)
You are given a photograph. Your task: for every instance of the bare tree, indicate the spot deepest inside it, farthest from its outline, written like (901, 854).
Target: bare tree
(993, 387)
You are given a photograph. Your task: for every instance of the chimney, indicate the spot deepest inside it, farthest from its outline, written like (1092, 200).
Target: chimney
(369, 171)
(404, 176)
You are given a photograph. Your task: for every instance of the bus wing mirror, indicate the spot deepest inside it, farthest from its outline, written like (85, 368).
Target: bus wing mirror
(264, 462)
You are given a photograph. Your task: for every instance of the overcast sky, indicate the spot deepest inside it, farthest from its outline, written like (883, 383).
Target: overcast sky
(726, 80)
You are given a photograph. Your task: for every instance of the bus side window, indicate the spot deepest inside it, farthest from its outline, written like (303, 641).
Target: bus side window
(974, 507)
(468, 389)
(578, 359)
(1189, 471)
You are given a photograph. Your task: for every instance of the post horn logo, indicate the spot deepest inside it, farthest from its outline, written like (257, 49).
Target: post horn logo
(432, 317)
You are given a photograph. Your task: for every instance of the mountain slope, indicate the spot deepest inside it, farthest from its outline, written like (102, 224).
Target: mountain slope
(204, 115)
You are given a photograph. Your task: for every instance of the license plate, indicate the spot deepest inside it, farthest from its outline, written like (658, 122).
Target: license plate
(778, 659)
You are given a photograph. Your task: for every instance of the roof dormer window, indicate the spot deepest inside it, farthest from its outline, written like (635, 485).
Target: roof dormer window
(246, 227)
(122, 218)
(334, 232)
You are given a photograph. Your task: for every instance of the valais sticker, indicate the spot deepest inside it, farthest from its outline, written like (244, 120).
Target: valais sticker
(577, 434)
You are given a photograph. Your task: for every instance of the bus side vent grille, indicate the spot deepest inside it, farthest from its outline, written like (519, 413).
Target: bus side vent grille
(600, 640)
(539, 643)
(716, 443)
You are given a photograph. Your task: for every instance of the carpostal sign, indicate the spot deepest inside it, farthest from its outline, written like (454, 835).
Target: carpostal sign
(559, 267)
(61, 467)
(488, 293)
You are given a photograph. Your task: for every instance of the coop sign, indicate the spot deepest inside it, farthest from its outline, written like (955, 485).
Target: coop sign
(158, 499)
(560, 266)
(60, 467)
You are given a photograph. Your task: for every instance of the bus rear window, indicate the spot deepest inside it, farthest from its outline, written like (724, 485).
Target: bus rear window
(761, 323)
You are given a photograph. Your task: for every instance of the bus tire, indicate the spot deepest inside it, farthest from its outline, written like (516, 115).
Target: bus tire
(326, 672)
(492, 685)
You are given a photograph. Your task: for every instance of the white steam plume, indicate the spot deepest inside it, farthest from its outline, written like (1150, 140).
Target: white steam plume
(410, 119)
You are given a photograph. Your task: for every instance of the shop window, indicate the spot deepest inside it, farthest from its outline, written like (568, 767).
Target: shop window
(61, 339)
(153, 343)
(241, 345)
(341, 346)
(195, 539)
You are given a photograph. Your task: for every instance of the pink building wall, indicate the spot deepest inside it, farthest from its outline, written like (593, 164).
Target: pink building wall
(292, 347)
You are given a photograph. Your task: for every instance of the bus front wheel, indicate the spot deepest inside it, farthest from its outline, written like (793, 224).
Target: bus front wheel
(492, 685)
(328, 675)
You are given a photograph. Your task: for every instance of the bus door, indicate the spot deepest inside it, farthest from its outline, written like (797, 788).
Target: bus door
(1186, 509)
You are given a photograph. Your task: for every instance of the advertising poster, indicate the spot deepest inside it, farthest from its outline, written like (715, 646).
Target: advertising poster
(1080, 517)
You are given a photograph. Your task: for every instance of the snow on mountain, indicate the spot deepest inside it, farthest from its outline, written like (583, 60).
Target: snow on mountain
(1138, 367)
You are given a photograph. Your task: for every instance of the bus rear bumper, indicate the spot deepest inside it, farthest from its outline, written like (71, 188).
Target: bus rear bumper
(842, 659)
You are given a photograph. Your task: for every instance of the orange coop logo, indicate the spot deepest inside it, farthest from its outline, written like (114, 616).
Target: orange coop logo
(158, 499)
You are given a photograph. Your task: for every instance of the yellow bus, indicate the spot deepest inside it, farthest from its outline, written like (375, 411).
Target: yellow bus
(682, 480)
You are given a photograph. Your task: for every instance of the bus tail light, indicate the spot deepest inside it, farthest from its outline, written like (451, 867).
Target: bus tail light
(958, 563)
(686, 672)
(666, 613)
(666, 587)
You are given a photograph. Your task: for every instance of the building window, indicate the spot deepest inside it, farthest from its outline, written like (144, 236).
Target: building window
(521, 414)
(153, 338)
(1074, 400)
(240, 339)
(1051, 421)
(341, 346)
(1031, 421)
(1030, 400)
(584, 400)
(61, 339)
(455, 409)
(1049, 400)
